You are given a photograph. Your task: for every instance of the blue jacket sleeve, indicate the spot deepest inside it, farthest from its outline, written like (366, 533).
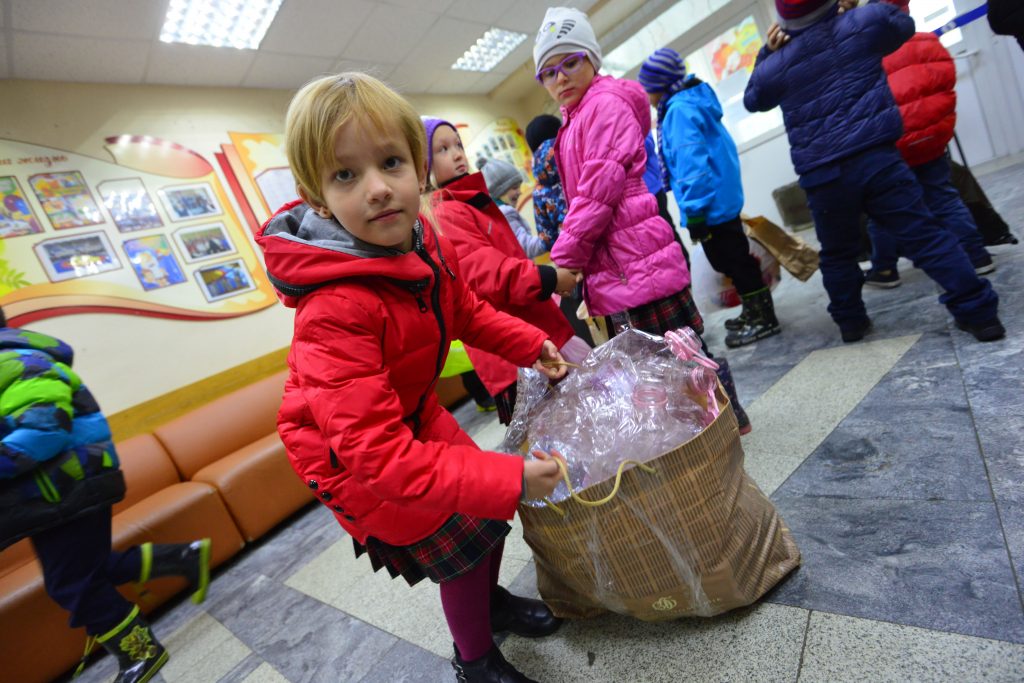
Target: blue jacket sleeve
(688, 158)
(888, 27)
(764, 89)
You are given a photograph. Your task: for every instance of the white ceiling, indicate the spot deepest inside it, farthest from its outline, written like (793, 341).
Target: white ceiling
(411, 43)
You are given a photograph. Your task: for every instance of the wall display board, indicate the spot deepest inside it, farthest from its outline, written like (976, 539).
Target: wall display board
(150, 233)
(502, 139)
(257, 165)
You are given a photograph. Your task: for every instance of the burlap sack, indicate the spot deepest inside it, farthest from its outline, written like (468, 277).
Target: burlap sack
(695, 538)
(795, 255)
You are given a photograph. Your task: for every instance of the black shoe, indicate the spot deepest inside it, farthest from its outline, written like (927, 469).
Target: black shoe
(521, 616)
(491, 668)
(856, 331)
(138, 653)
(190, 560)
(984, 266)
(759, 320)
(885, 279)
(990, 330)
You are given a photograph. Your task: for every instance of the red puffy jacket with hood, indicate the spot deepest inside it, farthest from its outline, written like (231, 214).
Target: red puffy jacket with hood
(498, 270)
(922, 77)
(360, 419)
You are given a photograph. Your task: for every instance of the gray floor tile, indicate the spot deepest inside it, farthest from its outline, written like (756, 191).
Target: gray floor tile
(938, 565)
(1011, 513)
(407, 663)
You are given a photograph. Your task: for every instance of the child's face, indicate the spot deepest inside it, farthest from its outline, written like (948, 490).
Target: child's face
(372, 187)
(512, 196)
(449, 155)
(572, 81)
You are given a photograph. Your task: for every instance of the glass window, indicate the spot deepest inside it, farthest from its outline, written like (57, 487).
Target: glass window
(725, 64)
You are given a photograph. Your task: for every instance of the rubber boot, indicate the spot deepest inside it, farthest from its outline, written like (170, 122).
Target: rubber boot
(190, 560)
(138, 653)
(725, 377)
(491, 668)
(760, 320)
(521, 616)
(739, 321)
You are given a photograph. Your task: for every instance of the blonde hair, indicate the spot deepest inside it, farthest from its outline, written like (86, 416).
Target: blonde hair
(324, 105)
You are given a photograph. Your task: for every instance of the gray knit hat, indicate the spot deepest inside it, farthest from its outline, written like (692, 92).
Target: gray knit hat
(565, 29)
(500, 176)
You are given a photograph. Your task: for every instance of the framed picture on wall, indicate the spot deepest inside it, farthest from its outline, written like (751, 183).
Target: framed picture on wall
(66, 199)
(224, 280)
(129, 204)
(185, 202)
(153, 261)
(202, 242)
(67, 258)
(16, 216)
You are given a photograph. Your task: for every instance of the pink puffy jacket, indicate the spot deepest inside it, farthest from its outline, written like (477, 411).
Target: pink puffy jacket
(613, 231)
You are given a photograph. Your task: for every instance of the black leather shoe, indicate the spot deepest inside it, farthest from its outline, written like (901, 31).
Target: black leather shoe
(521, 616)
(856, 331)
(491, 668)
(990, 330)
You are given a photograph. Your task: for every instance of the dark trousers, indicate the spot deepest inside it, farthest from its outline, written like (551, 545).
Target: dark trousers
(879, 183)
(728, 253)
(80, 571)
(662, 198)
(946, 205)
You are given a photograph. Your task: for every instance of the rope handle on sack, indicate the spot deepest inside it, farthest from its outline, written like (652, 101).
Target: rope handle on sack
(594, 503)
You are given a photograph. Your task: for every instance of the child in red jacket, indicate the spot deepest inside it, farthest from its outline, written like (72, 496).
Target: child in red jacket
(378, 295)
(494, 262)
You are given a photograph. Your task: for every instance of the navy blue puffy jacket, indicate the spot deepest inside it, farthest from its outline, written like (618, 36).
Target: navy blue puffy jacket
(831, 86)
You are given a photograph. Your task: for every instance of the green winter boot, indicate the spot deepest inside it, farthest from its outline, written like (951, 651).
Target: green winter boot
(759, 322)
(138, 653)
(190, 560)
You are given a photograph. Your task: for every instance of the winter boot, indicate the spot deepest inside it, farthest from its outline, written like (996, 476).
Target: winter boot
(725, 377)
(521, 616)
(191, 560)
(760, 320)
(138, 653)
(737, 323)
(990, 330)
(491, 668)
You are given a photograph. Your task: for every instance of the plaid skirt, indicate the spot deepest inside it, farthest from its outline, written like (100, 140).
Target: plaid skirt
(660, 316)
(451, 551)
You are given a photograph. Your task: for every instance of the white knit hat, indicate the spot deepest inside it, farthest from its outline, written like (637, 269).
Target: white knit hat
(565, 29)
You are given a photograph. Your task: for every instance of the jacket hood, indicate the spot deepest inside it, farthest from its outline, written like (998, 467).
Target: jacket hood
(14, 338)
(304, 251)
(699, 95)
(630, 91)
(464, 188)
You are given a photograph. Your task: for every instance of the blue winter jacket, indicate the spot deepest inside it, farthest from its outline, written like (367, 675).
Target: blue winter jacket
(701, 157)
(652, 172)
(831, 86)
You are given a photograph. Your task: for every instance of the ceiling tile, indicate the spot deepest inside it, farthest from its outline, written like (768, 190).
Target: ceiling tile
(389, 34)
(72, 58)
(455, 82)
(486, 84)
(381, 71)
(287, 72)
(416, 78)
(474, 10)
(198, 65)
(134, 20)
(446, 41)
(437, 6)
(525, 16)
(319, 28)
(3, 58)
(515, 59)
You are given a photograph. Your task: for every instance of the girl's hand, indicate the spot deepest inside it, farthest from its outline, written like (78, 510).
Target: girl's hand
(776, 37)
(555, 368)
(845, 5)
(566, 283)
(541, 476)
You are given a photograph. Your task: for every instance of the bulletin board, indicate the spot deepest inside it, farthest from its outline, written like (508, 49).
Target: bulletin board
(150, 232)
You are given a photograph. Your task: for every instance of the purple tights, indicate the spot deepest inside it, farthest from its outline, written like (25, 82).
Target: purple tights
(467, 606)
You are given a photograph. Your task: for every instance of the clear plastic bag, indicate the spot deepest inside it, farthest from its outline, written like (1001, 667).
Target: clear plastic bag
(633, 398)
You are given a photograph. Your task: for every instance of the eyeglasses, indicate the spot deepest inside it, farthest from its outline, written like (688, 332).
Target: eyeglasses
(570, 65)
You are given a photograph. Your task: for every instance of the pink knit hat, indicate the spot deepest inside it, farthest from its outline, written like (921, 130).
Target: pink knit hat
(799, 14)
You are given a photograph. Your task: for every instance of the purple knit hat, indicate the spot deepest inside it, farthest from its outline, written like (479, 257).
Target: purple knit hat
(799, 14)
(431, 125)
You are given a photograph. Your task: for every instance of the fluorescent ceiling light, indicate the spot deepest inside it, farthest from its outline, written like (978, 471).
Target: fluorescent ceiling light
(489, 49)
(220, 23)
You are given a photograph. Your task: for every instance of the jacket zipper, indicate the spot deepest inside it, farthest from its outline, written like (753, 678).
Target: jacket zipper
(622, 273)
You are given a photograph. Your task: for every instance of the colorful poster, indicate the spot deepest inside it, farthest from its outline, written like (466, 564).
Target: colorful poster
(735, 50)
(154, 262)
(16, 217)
(224, 280)
(203, 242)
(66, 258)
(129, 204)
(143, 255)
(66, 199)
(502, 139)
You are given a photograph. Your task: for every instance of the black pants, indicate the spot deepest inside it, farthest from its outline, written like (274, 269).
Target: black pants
(80, 571)
(662, 198)
(728, 253)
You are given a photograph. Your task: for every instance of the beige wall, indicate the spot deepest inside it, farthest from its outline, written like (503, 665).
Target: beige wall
(129, 359)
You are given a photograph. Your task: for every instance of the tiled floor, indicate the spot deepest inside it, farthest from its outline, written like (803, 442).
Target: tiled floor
(897, 462)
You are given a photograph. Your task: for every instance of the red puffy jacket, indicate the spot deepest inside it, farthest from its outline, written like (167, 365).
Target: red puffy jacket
(360, 419)
(922, 77)
(498, 270)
